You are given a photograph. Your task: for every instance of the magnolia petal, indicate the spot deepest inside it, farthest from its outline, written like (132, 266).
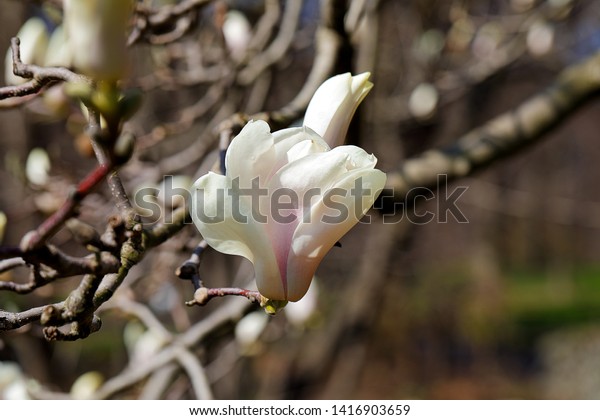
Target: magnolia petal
(229, 234)
(333, 105)
(285, 140)
(319, 171)
(304, 148)
(251, 154)
(357, 157)
(314, 238)
(210, 200)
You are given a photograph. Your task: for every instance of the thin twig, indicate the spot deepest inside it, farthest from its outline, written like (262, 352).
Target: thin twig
(11, 263)
(129, 377)
(189, 269)
(278, 47)
(40, 76)
(501, 136)
(50, 226)
(142, 313)
(203, 295)
(196, 373)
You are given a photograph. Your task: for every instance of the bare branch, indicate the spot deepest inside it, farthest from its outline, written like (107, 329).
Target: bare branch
(196, 373)
(221, 316)
(503, 135)
(278, 48)
(40, 76)
(203, 295)
(50, 226)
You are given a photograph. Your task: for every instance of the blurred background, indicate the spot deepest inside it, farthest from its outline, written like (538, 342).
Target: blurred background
(506, 305)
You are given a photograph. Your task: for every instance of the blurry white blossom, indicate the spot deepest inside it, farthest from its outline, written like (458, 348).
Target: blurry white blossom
(34, 40)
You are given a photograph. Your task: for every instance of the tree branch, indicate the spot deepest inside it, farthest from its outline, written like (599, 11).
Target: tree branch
(40, 76)
(500, 137)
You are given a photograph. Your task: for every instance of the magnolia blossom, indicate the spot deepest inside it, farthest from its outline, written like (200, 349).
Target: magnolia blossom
(285, 201)
(333, 106)
(96, 30)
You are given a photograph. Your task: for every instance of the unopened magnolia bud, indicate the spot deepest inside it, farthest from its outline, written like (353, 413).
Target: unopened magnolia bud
(271, 307)
(96, 30)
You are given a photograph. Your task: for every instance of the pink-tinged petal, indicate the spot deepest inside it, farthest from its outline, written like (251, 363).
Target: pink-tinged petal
(212, 210)
(314, 237)
(306, 191)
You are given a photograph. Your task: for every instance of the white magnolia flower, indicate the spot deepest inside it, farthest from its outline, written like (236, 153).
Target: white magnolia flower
(284, 203)
(96, 30)
(333, 106)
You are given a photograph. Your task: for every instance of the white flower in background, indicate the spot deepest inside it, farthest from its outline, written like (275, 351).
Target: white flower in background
(423, 101)
(284, 202)
(37, 166)
(300, 313)
(237, 33)
(248, 331)
(58, 53)
(333, 105)
(14, 385)
(84, 387)
(141, 344)
(96, 30)
(34, 40)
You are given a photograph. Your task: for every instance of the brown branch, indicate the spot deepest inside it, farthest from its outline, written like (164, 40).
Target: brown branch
(12, 320)
(11, 263)
(189, 269)
(40, 76)
(278, 47)
(223, 315)
(151, 21)
(195, 372)
(49, 264)
(52, 224)
(203, 295)
(328, 44)
(502, 136)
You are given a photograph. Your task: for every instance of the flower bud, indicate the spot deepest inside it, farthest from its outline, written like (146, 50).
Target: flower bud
(333, 105)
(96, 30)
